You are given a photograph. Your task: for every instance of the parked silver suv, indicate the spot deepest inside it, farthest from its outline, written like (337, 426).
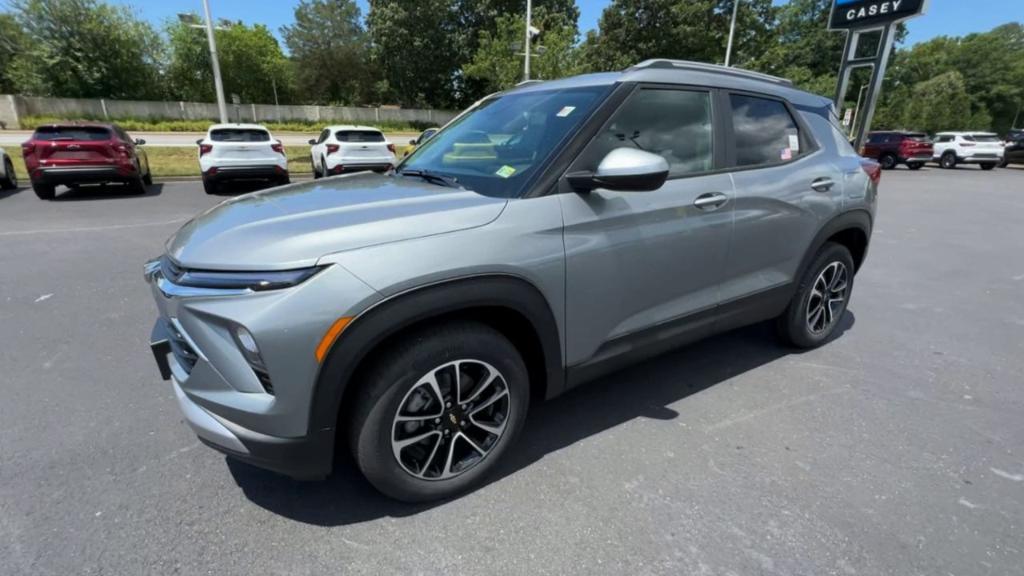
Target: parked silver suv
(548, 235)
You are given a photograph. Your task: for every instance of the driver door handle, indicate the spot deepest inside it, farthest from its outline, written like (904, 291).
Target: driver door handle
(710, 201)
(822, 185)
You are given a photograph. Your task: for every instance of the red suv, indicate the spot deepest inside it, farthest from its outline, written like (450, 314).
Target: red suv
(80, 153)
(892, 148)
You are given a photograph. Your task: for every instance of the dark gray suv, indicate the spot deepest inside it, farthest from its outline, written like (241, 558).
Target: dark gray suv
(546, 236)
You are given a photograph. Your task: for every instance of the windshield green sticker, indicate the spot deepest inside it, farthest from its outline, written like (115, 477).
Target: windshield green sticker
(505, 171)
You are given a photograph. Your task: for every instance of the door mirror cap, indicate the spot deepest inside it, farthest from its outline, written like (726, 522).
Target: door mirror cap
(199, 142)
(624, 170)
(412, 142)
(139, 141)
(312, 141)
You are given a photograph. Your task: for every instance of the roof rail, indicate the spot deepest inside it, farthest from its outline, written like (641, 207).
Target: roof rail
(665, 63)
(528, 82)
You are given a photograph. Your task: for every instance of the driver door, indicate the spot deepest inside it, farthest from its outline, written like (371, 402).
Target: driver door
(645, 267)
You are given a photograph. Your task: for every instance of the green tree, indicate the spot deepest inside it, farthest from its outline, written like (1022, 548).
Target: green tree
(13, 44)
(330, 51)
(499, 67)
(251, 64)
(634, 30)
(83, 48)
(413, 49)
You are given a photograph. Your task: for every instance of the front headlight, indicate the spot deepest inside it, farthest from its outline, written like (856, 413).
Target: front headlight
(255, 281)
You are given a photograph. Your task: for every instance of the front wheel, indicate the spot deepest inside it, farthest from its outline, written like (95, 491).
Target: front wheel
(915, 165)
(948, 161)
(821, 299)
(888, 161)
(1004, 163)
(437, 410)
(988, 166)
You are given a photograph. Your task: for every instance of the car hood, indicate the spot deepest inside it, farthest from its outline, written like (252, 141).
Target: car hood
(293, 226)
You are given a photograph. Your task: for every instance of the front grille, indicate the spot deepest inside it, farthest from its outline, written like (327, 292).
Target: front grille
(181, 349)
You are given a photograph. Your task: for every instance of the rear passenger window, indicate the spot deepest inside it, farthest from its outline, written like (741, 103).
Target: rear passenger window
(675, 124)
(764, 131)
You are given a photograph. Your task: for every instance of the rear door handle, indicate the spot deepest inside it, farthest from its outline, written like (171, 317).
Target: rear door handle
(822, 185)
(710, 201)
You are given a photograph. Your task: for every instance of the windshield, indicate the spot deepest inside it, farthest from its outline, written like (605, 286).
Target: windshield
(496, 148)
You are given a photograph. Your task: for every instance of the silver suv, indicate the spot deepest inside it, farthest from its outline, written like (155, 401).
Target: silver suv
(548, 235)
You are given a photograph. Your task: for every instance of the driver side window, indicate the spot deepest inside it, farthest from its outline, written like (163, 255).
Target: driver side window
(675, 124)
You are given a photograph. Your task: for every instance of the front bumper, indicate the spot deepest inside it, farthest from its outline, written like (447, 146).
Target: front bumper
(222, 398)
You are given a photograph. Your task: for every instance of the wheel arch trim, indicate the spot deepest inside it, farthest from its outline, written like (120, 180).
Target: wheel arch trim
(858, 219)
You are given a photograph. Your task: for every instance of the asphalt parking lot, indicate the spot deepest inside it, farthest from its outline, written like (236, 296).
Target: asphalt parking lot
(898, 448)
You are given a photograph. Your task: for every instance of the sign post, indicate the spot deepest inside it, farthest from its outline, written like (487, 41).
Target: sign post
(859, 17)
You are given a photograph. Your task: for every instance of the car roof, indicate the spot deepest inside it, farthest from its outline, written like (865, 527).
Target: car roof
(665, 71)
(352, 127)
(239, 126)
(966, 134)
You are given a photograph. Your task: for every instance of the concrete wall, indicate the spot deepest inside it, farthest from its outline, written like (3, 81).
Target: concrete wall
(13, 107)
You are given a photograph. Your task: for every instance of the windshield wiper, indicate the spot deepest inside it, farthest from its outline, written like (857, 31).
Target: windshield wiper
(433, 177)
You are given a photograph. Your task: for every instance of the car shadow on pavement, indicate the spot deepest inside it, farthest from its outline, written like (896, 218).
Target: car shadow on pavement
(647, 390)
(104, 192)
(9, 193)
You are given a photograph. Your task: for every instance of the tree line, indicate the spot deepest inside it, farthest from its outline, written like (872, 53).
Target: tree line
(448, 53)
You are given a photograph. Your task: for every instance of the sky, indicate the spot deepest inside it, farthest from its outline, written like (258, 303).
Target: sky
(944, 17)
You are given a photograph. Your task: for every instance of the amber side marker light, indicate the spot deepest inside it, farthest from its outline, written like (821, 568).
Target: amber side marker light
(330, 336)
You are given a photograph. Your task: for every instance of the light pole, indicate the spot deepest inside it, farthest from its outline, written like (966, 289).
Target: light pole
(732, 31)
(529, 36)
(191, 21)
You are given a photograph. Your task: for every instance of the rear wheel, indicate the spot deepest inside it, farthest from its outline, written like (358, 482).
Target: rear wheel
(284, 180)
(437, 411)
(888, 161)
(209, 186)
(948, 160)
(989, 166)
(10, 179)
(316, 173)
(820, 302)
(1004, 163)
(915, 165)
(147, 179)
(44, 191)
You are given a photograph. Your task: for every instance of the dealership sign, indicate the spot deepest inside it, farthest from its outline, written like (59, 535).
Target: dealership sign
(865, 13)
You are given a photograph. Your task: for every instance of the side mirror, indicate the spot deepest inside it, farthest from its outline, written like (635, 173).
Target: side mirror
(139, 142)
(624, 170)
(312, 141)
(412, 142)
(199, 142)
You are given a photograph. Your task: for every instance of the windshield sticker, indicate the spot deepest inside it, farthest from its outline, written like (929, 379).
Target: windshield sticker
(505, 171)
(794, 142)
(787, 154)
(565, 111)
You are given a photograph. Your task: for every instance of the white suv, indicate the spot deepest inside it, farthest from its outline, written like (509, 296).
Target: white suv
(8, 179)
(341, 149)
(982, 148)
(241, 152)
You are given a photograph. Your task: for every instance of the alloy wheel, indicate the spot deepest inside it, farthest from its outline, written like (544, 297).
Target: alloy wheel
(451, 419)
(828, 298)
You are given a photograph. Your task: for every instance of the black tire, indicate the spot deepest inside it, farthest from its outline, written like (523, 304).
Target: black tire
(988, 166)
(948, 160)
(147, 179)
(1004, 163)
(323, 167)
(136, 185)
(388, 385)
(10, 180)
(915, 165)
(284, 181)
(316, 173)
(44, 191)
(795, 324)
(888, 161)
(210, 187)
